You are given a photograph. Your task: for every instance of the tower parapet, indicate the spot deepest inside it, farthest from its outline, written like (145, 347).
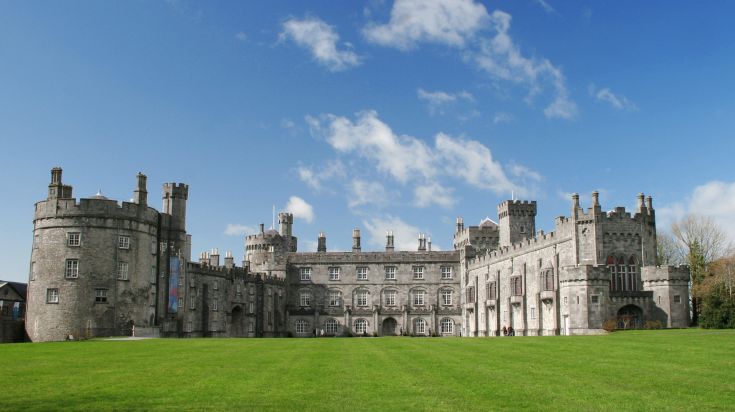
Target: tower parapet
(517, 221)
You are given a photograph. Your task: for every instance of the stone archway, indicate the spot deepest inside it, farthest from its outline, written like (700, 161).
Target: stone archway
(630, 317)
(390, 327)
(237, 327)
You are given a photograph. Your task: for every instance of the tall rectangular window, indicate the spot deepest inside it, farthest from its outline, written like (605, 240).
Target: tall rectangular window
(304, 299)
(362, 298)
(470, 294)
(251, 307)
(491, 291)
(418, 297)
(216, 285)
(100, 296)
(418, 272)
(72, 268)
(390, 272)
(390, 298)
(335, 298)
(52, 295)
(153, 275)
(362, 273)
(549, 280)
(305, 273)
(154, 246)
(32, 271)
(516, 286)
(334, 273)
(446, 297)
(73, 239)
(446, 272)
(533, 313)
(122, 270)
(215, 305)
(123, 242)
(192, 302)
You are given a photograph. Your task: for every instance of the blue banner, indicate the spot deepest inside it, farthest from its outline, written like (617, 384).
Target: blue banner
(173, 284)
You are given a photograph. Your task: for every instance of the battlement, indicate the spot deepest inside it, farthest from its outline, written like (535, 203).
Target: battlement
(541, 240)
(176, 190)
(374, 257)
(517, 208)
(94, 207)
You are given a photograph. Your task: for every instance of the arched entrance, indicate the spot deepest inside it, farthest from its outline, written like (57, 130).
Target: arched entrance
(237, 327)
(630, 317)
(390, 327)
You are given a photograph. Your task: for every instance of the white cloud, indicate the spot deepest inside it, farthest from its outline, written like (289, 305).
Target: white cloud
(472, 161)
(502, 59)
(321, 40)
(314, 179)
(433, 193)
(618, 102)
(448, 22)
(363, 192)
(405, 235)
(234, 229)
(241, 36)
(300, 209)
(715, 199)
(546, 6)
(524, 172)
(407, 158)
(438, 99)
(502, 117)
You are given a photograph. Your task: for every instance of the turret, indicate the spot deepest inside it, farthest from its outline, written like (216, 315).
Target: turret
(517, 221)
(389, 241)
(56, 189)
(321, 243)
(174, 203)
(285, 220)
(140, 196)
(356, 240)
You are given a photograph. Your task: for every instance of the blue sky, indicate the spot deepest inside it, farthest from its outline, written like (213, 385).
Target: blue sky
(380, 115)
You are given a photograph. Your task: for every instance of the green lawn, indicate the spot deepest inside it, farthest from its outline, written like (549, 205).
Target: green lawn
(673, 370)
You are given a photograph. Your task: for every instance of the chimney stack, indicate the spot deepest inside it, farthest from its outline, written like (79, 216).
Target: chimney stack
(429, 245)
(389, 241)
(322, 243)
(214, 258)
(229, 260)
(460, 224)
(356, 240)
(140, 196)
(422, 242)
(641, 206)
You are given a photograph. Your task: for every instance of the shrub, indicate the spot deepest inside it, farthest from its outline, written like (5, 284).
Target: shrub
(652, 324)
(610, 324)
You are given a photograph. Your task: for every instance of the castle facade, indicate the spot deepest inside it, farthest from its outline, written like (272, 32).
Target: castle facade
(100, 267)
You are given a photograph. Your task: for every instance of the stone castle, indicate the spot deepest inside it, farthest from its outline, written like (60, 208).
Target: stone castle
(100, 267)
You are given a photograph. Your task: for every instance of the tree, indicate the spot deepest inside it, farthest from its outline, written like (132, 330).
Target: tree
(667, 251)
(697, 241)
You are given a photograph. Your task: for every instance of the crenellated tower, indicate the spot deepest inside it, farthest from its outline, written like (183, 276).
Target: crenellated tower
(517, 221)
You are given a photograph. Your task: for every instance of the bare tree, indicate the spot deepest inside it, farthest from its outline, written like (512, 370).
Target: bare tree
(699, 241)
(667, 249)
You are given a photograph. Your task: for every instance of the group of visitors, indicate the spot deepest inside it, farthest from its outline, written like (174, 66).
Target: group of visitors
(508, 331)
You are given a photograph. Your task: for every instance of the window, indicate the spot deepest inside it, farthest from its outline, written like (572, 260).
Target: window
(214, 305)
(52, 295)
(447, 326)
(72, 268)
(36, 240)
(153, 276)
(523, 229)
(470, 294)
(533, 313)
(100, 296)
(362, 298)
(238, 289)
(446, 297)
(390, 298)
(216, 285)
(189, 327)
(446, 272)
(565, 300)
(153, 297)
(333, 273)
(390, 272)
(361, 326)
(304, 299)
(548, 280)
(516, 286)
(335, 298)
(73, 239)
(123, 242)
(192, 302)
(305, 274)
(677, 299)
(362, 273)
(33, 271)
(181, 303)
(251, 307)
(331, 327)
(595, 299)
(252, 289)
(122, 270)
(154, 246)
(302, 326)
(418, 272)
(492, 290)
(418, 297)
(419, 327)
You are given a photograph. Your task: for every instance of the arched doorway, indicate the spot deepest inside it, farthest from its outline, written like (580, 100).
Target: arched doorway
(237, 327)
(390, 327)
(630, 317)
